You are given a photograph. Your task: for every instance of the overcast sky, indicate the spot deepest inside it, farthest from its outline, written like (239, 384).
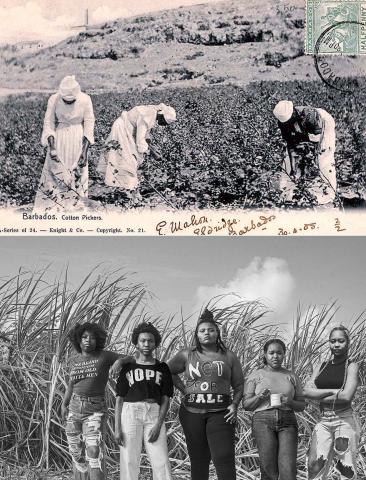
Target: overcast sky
(186, 272)
(49, 20)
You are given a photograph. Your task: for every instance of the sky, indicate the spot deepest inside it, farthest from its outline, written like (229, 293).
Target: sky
(184, 273)
(51, 20)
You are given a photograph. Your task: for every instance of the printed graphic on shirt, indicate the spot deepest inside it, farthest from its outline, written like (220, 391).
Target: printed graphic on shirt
(207, 385)
(139, 375)
(86, 369)
(207, 400)
(204, 375)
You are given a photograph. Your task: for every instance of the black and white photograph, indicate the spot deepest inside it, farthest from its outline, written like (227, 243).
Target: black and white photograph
(182, 358)
(181, 105)
(125, 353)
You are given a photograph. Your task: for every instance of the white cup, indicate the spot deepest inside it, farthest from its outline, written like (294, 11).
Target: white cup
(275, 399)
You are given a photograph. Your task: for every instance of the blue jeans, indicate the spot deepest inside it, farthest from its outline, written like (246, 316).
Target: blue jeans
(85, 435)
(276, 434)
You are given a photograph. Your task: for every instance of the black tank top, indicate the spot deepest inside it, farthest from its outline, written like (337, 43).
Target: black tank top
(331, 376)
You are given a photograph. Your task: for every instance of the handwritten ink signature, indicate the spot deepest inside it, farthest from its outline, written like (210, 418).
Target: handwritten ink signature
(202, 225)
(174, 227)
(224, 223)
(254, 224)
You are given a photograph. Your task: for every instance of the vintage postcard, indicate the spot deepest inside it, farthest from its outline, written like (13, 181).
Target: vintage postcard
(120, 117)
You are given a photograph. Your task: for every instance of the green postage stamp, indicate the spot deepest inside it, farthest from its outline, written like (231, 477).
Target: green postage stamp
(336, 27)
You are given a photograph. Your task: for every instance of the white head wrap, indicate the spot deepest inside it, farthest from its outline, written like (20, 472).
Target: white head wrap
(283, 110)
(168, 113)
(69, 88)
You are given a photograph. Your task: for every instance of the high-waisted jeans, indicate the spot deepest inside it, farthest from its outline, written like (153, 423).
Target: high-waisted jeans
(208, 435)
(85, 435)
(137, 420)
(334, 438)
(276, 435)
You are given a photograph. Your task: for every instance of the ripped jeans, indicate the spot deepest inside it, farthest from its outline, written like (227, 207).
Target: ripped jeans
(137, 420)
(85, 431)
(334, 437)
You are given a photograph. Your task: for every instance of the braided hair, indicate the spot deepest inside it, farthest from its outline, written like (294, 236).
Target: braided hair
(207, 317)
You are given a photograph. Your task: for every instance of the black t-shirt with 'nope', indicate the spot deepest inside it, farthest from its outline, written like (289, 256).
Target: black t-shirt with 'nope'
(138, 382)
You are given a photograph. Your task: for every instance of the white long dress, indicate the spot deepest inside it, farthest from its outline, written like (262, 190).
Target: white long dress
(63, 185)
(129, 132)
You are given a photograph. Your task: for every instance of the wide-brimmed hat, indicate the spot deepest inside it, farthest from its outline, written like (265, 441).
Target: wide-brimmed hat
(283, 110)
(69, 88)
(168, 113)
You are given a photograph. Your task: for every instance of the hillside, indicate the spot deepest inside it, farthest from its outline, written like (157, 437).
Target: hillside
(224, 42)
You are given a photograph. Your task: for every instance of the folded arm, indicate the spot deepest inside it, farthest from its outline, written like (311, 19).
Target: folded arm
(348, 392)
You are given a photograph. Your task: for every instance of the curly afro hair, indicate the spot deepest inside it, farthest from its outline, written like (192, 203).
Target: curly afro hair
(146, 327)
(77, 332)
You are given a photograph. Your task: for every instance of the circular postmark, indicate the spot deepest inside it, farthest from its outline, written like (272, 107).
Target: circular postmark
(337, 65)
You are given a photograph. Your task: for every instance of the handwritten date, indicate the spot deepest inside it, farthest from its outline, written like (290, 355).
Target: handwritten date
(294, 231)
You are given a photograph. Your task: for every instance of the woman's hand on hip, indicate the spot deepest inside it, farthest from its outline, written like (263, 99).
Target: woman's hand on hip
(230, 417)
(154, 433)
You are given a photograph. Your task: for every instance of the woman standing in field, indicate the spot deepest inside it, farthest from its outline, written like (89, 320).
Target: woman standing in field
(143, 390)
(207, 412)
(337, 433)
(68, 130)
(84, 408)
(127, 143)
(274, 393)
